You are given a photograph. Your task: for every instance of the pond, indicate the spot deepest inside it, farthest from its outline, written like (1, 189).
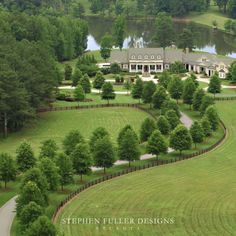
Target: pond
(141, 32)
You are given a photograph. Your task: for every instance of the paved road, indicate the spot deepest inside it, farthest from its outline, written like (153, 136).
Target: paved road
(7, 214)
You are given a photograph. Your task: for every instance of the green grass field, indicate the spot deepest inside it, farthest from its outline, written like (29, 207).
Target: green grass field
(57, 124)
(199, 194)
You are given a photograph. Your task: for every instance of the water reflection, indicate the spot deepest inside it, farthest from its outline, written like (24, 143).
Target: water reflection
(141, 33)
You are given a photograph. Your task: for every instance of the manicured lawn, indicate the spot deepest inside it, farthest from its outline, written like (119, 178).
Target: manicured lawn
(206, 18)
(57, 124)
(199, 194)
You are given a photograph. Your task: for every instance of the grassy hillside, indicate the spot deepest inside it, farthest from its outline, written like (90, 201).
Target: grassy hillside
(199, 194)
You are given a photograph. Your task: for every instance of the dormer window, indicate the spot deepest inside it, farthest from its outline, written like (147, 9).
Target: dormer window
(158, 57)
(140, 57)
(204, 59)
(152, 57)
(133, 57)
(146, 57)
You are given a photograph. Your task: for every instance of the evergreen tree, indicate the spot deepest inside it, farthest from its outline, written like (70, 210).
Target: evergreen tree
(188, 92)
(81, 158)
(206, 102)
(85, 83)
(180, 139)
(197, 133)
(79, 93)
(77, 75)
(48, 149)
(213, 117)
(197, 99)
(149, 89)
(137, 90)
(68, 72)
(71, 140)
(147, 128)
(172, 118)
(129, 147)
(175, 88)
(98, 133)
(65, 169)
(215, 85)
(7, 168)
(159, 97)
(119, 32)
(50, 171)
(99, 81)
(163, 125)
(25, 157)
(108, 92)
(186, 39)
(104, 155)
(157, 144)
(206, 126)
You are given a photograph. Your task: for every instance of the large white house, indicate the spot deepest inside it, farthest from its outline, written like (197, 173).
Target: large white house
(148, 60)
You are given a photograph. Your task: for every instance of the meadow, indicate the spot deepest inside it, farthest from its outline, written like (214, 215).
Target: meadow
(199, 194)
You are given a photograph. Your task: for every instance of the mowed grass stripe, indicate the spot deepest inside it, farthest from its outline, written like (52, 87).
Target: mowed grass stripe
(57, 124)
(199, 193)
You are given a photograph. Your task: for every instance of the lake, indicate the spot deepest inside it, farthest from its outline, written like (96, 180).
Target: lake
(141, 32)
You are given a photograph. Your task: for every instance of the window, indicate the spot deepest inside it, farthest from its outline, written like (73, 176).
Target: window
(152, 57)
(222, 67)
(146, 57)
(133, 67)
(167, 66)
(152, 67)
(140, 67)
(158, 57)
(140, 57)
(204, 59)
(133, 57)
(159, 67)
(125, 66)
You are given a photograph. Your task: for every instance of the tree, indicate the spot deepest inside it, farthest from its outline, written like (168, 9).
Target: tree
(71, 140)
(7, 169)
(197, 133)
(115, 68)
(147, 128)
(25, 157)
(79, 93)
(149, 89)
(99, 81)
(48, 149)
(68, 72)
(106, 46)
(128, 148)
(157, 144)
(186, 40)
(164, 79)
(180, 139)
(159, 97)
(206, 102)
(163, 125)
(197, 99)
(177, 68)
(232, 73)
(104, 155)
(119, 32)
(175, 88)
(42, 226)
(36, 176)
(82, 160)
(232, 8)
(215, 85)
(77, 75)
(172, 118)
(215, 24)
(50, 171)
(108, 92)
(164, 29)
(128, 85)
(65, 169)
(188, 92)
(137, 90)
(98, 133)
(228, 25)
(206, 126)
(122, 133)
(85, 83)
(29, 214)
(30, 192)
(170, 104)
(212, 115)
